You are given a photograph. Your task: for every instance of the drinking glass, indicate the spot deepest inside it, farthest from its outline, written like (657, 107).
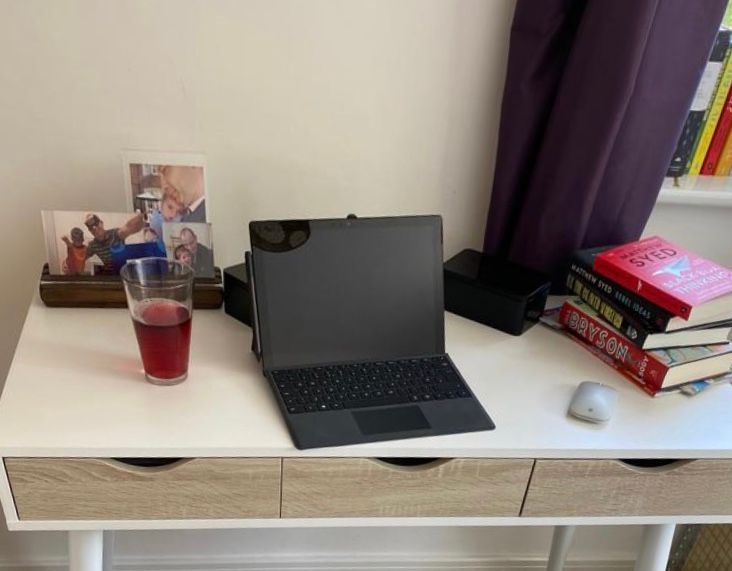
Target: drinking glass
(160, 299)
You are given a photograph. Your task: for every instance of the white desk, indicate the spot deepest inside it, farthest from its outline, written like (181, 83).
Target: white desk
(76, 390)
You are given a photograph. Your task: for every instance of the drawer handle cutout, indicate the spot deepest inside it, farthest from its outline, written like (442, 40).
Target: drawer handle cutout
(412, 464)
(654, 465)
(149, 465)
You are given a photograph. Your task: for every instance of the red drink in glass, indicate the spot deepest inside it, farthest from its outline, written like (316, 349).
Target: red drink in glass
(160, 297)
(163, 329)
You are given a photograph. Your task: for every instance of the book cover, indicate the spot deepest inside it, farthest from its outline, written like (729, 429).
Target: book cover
(711, 117)
(639, 331)
(699, 105)
(633, 328)
(664, 273)
(691, 388)
(583, 322)
(720, 136)
(550, 318)
(609, 361)
(581, 264)
(650, 367)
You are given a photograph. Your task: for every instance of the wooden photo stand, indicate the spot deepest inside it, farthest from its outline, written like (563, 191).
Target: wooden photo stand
(108, 291)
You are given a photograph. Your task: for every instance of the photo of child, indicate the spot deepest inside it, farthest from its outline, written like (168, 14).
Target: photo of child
(98, 243)
(183, 254)
(190, 243)
(75, 252)
(166, 187)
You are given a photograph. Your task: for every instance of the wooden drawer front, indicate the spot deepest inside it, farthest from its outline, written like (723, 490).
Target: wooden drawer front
(92, 488)
(363, 487)
(613, 488)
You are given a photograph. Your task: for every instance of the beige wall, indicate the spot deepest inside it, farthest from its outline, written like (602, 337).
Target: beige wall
(702, 229)
(303, 108)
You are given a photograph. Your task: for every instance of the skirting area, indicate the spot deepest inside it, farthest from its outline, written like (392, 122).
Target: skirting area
(316, 564)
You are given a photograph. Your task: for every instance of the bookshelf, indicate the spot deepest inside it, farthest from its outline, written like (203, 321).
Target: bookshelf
(697, 190)
(701, 169)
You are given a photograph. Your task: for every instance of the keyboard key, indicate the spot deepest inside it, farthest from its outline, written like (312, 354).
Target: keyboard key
(359, 385)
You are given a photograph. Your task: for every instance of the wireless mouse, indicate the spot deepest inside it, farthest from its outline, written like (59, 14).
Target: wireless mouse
(593, 402)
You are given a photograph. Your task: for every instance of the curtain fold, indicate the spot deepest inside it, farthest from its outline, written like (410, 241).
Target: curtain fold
(596, 94)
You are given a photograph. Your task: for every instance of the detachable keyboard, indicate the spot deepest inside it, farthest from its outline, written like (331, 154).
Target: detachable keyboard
(359, 385)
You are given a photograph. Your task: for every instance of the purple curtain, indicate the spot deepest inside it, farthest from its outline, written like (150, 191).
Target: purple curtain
(596, 94)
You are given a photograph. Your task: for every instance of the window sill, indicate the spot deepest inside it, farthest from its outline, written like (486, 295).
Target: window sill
(697, 190)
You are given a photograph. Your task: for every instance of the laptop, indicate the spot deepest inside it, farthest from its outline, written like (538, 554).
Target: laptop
(349, 326)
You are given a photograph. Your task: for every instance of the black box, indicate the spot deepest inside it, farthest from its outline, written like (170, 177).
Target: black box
(494, 292)
(237, 301)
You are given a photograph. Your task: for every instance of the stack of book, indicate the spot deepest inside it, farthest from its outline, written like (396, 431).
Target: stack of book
(659, 314)
(705, 145)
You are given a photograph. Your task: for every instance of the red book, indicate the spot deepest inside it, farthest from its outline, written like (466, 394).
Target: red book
(653, 370)
(610, 362)
(669, 276)
(721, 131)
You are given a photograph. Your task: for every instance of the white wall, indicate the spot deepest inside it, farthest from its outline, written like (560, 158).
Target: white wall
(303, 108)
(701, 229)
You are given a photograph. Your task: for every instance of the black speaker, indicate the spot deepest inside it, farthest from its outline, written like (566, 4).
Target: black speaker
(237, 301)
(494, 292)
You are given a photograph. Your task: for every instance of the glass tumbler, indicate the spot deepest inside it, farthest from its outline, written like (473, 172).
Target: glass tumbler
(160, 298)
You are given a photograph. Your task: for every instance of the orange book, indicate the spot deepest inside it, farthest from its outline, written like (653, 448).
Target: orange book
(724, 165)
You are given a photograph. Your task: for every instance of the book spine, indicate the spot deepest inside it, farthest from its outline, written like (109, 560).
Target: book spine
(657, 318)
(719, 137)
(610, 362)
(615, 316)
(641, 287)
(681, 157)
(613, 344)
(702, 98)
(712, 116)
(724, 165)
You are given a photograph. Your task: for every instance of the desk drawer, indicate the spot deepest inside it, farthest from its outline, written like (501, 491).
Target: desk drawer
(102, 489)
(615, 488)
(364, 487)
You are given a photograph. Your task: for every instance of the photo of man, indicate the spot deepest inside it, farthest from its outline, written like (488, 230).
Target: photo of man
(189, 185)
(105, 240)
(96, 243)
(190, 243)
(166, 187)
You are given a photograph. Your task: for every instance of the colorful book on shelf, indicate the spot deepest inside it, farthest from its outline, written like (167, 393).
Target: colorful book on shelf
(659, 319)
(719, 138)
(711, 117)
(639, 331)
(675, 279)
(699, 105)
(724, 165)
(655, 370)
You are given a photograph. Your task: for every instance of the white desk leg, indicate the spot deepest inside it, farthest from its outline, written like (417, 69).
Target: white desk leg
(655, 547)
(561, 541)
(108, 559)
(85, 550)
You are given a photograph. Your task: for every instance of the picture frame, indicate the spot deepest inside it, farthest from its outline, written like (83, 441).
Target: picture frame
(149, 175)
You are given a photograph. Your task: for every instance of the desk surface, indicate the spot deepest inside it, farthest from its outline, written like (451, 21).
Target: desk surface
(76, 388)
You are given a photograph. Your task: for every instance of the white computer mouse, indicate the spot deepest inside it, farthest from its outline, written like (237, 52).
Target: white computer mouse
(593, 402)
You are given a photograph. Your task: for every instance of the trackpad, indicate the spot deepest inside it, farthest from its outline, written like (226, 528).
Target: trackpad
(398, 419)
